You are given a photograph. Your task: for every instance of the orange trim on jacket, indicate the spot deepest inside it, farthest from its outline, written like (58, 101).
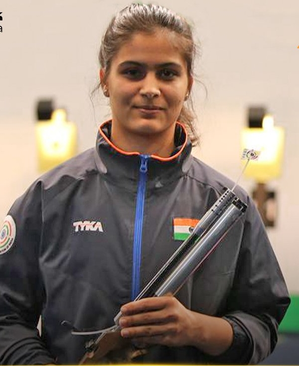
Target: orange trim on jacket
(130, 153)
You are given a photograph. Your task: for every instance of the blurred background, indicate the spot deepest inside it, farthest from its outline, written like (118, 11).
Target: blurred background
(249, 58)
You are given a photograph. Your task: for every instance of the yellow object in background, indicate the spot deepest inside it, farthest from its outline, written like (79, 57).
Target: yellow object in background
(269, 140)
(56, 140)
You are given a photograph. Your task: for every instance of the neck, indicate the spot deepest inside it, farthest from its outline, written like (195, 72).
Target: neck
(147, 144)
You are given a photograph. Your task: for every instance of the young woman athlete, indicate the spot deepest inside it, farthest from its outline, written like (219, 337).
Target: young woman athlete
(86, 237)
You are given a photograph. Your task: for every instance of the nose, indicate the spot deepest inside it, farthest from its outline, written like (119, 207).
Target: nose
(150, 87)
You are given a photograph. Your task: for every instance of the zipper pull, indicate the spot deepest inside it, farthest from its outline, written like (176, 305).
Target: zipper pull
(143, 165)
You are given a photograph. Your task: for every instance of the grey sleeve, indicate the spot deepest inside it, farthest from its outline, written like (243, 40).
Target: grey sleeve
(241, 348)
(259, 297)
(21, 288)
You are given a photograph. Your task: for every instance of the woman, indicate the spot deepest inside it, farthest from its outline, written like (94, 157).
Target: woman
(89, 235)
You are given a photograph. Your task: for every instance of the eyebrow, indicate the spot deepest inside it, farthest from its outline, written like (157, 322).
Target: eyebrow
(136, 63)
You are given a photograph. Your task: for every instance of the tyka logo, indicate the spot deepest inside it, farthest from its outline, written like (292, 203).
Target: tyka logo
(88, 226)
(1, 18)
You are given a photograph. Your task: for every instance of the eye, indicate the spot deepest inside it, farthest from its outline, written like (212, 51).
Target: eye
(133, 73)
(168, 74)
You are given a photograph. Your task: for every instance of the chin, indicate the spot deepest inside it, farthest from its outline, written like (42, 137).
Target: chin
(149, 128)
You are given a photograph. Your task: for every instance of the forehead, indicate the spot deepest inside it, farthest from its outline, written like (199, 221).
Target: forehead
(156, 48)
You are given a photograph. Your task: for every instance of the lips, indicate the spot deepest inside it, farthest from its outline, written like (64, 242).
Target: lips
(149, 108)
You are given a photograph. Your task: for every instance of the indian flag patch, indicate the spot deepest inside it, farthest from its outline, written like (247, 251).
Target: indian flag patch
(183, 227)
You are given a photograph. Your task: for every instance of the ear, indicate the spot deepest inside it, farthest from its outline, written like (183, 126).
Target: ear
(102, 76)
(190, 83)
(189, 87)
(103, 82)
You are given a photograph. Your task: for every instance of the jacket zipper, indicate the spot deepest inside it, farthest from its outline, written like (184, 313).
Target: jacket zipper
(137, 244)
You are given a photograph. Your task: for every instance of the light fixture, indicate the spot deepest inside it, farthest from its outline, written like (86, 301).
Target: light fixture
(262, 135)
(55, 136)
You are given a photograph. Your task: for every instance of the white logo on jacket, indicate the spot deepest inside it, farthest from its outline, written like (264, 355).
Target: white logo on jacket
(88, 226)
(7, 234)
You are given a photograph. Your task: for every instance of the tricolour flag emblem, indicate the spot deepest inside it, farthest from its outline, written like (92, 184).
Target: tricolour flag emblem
(183, 227)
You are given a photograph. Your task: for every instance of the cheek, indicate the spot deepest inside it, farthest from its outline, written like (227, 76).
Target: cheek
(176, 94)
(122, 93)
(177, 100)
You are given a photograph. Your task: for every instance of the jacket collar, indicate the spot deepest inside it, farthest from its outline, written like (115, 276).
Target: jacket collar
(122, 168)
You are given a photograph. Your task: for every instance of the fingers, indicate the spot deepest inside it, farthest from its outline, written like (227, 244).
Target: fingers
(143, 305)
(148, 311)
(149, 321)
(149, 317)
(145, 336)
(142, 331)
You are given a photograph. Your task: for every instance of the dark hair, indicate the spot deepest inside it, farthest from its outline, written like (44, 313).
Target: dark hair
(147, 18)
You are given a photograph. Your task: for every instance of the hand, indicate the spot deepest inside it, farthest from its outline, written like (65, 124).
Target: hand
(165, 321)
(157, 320)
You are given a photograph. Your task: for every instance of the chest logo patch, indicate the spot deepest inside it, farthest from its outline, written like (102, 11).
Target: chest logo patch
(7, 234)
(183, 227)
(88, 226)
